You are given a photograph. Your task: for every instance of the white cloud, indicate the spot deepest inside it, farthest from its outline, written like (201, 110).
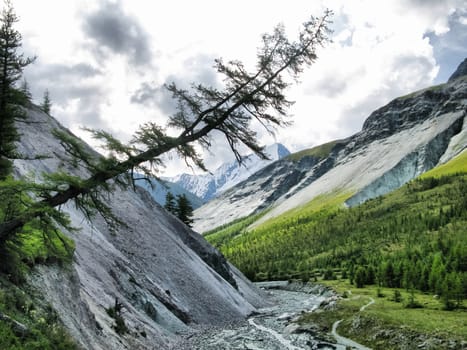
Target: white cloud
(381, 50)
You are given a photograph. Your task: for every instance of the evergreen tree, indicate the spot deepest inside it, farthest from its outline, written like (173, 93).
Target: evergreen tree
(25, 90)
(11, 68)
(170, 202)
(46, 104)
(184, 209)
(360, 277)
(246, 97)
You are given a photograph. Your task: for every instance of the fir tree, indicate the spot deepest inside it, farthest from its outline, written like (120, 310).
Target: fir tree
(46, 104)
(26, 91)
(170, 203)
(184, 210)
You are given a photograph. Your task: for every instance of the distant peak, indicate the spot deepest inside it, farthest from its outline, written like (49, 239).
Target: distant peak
(460, 71)
(277, 151)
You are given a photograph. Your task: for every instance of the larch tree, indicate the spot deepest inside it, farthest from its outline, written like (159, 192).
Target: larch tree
(246, 96)
(12, 98)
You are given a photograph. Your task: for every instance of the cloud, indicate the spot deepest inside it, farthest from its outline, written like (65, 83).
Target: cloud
(152, 95)
(103, 76)
(75, 90)
(330, 86)
(112, 31)
(449, 48)
(194, 70)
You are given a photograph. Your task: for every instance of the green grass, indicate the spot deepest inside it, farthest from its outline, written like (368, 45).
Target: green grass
(406, 230)
(386, 316)
(18, 255)
(31, 247)
(321, 151)
(322, 204)
(455, 165)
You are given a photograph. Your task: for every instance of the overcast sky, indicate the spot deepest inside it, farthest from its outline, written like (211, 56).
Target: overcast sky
(105, 62)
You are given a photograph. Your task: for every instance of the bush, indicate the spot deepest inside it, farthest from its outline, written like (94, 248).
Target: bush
(413, 303)
(116, 313)
(329, 275)
(397, 296)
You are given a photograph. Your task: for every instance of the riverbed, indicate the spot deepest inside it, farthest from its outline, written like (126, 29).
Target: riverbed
(273, 328)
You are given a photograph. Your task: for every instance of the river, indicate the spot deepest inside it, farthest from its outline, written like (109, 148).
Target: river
(271, 328)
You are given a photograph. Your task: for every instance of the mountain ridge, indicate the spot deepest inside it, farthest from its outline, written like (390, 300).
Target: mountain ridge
(208, 186)
(398, 142)
(158, 188)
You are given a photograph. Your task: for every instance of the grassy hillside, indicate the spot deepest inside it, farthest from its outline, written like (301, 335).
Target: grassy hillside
(414, 237)
(456, 165)
(321, 151)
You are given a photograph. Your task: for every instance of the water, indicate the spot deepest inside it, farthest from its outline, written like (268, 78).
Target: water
(271, 329)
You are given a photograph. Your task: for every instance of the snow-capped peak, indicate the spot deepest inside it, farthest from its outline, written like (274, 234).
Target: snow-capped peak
(229, 174)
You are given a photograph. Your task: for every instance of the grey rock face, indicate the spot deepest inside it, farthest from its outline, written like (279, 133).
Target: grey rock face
(208, 186)
(460, 71)
(398, 142)
(167, 277)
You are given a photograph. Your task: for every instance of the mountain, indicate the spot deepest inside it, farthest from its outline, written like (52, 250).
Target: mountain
(159, 188)
(208, 186)
(166, 277)
(398, 142)
(407, 227)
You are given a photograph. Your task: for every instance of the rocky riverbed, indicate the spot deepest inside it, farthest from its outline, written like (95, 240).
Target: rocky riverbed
(275, 327)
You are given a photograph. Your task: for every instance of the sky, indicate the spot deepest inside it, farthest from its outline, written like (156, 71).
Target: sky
(105, 62)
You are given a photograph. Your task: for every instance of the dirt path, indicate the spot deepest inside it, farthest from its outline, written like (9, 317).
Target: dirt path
(346, 342)
(372, 301)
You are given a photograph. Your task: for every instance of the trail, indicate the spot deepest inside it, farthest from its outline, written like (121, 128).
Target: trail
(372, 301)
(346, 341)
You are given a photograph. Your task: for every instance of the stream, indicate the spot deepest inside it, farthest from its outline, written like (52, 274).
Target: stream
(271, 328)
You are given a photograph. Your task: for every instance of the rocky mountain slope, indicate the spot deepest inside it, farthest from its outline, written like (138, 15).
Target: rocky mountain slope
(168, 278)
(208, 186)
(159, 188)
(398, 142)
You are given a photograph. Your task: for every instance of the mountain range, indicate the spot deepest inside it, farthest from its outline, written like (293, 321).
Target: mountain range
(165, 276)
(208, 186)
(398, 142)
(158, 189)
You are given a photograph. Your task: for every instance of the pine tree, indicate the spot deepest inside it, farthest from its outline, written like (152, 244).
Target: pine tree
(184, 209)
(46, 104)
(11, 68)
(170, 203)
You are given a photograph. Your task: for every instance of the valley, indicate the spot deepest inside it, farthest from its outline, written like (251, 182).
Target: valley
(383, 213)
(357, 243)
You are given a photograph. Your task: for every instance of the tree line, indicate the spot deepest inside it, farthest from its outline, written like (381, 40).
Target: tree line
(411, 238)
